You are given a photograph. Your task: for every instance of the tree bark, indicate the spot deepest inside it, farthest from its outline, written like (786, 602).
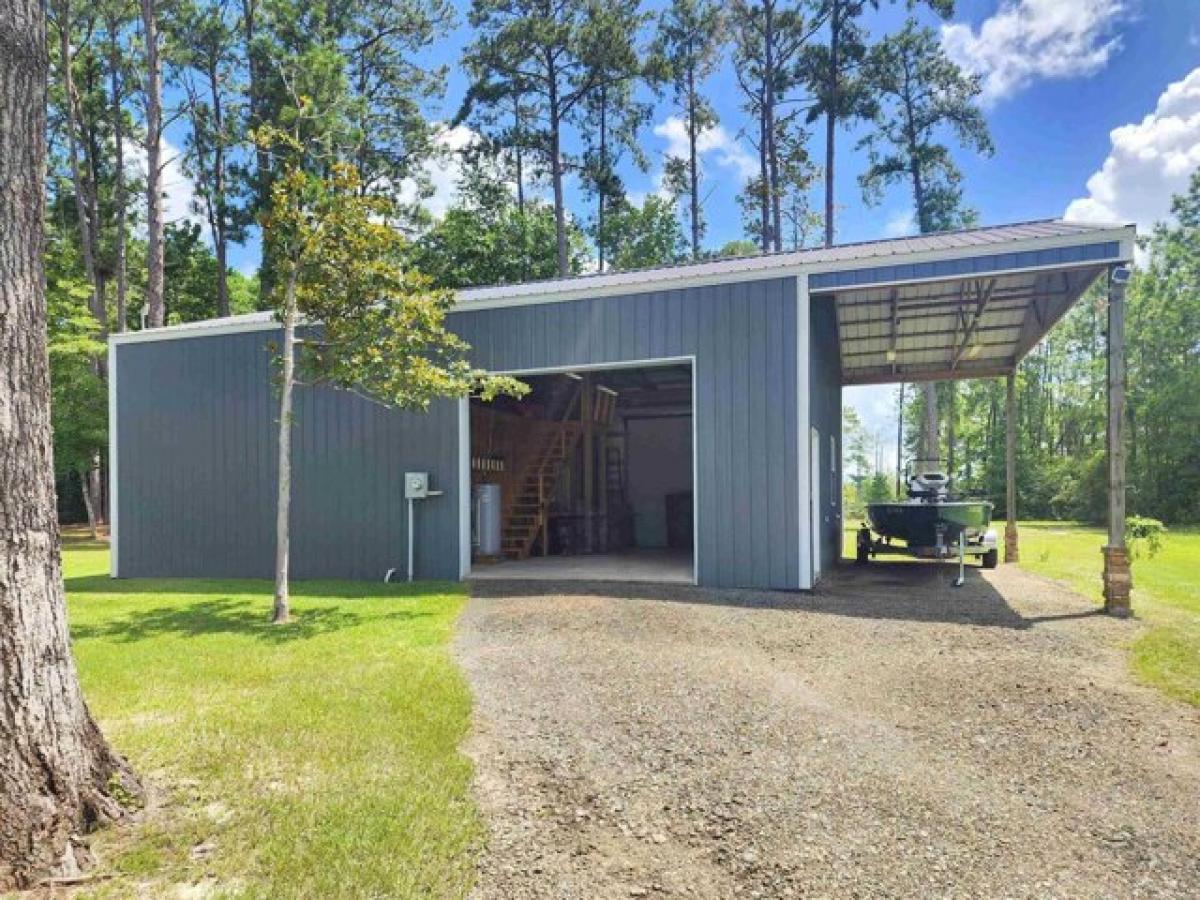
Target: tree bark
(835, 24)
(88, 505)
(601, 194)
(282, 611)
(156, 311)
(57, 773)
(119, 198)
(556, 172)
(82, 187)
(693, 162)
(928, 454)
(221, 212)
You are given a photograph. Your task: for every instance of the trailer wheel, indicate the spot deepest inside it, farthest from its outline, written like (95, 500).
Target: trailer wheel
(991, 558)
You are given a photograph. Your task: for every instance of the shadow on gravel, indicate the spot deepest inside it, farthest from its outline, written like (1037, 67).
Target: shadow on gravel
(918, 592)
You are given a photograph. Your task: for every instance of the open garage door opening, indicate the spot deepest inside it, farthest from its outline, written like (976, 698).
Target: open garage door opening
(590, 477)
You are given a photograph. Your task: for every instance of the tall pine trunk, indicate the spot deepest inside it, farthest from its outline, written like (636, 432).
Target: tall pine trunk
(282, 607)
(120, 200)
(831, 89)
(221, 216)
(693, 161)
(556, 173)
(156, 310)
(928, 453)
(57, 773)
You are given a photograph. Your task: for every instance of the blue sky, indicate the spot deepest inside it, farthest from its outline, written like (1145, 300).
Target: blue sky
(1059, 76)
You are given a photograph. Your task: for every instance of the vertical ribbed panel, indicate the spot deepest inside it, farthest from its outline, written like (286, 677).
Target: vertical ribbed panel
(197, 435)
(743, 337)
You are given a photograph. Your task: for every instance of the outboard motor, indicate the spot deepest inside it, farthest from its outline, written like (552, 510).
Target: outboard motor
(929, 486)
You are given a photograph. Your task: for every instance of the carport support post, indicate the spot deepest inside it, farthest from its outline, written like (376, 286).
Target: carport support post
(589, 458)
(1118, 579)
(1011, 552)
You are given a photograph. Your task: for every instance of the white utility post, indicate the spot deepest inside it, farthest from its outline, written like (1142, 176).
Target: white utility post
(416, 487)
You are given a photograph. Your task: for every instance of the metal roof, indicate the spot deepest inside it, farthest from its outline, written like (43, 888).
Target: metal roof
(1044, 233)
(971, 327)
(954, 304)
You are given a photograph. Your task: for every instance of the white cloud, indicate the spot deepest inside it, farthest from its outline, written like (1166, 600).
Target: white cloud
(1028, 40)
(726, 149)
(1149, 161)
(442, 171)
(179, 192)
(900, 223)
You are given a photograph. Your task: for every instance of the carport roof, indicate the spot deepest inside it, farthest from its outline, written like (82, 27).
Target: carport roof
(956, 304)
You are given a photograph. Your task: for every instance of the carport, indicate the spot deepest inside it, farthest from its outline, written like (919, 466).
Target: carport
(955, 318)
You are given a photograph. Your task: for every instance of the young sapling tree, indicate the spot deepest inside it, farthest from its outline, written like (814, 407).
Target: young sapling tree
(353, 316)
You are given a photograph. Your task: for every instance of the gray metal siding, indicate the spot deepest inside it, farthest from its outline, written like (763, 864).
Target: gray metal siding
(825, 411)
(197, 445)
(744, 339)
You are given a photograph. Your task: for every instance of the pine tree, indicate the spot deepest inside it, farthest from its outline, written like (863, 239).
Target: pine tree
(687, 50)
(832, 73)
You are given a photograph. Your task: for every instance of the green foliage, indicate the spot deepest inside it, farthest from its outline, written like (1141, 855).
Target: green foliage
(382, 326)
(1062, 469)
(920, 92)
(78, 397)
(645, 236)
(738, 247)
(1144, 535)
(489, 238)
(190, 278)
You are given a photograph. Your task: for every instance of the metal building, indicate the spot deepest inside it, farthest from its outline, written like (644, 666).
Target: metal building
(729, 371)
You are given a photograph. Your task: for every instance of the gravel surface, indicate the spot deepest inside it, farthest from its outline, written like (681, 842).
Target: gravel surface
(886, 735)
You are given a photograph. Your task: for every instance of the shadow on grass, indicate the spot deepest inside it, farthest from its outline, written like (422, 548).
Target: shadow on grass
(225, 616)
(257, 587)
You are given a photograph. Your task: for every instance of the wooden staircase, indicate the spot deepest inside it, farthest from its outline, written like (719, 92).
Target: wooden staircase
(527, 514)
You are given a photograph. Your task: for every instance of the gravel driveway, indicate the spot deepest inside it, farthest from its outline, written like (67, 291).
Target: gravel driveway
(886, 735)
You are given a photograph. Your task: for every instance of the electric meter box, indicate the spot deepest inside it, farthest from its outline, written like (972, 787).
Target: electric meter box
(416, 485)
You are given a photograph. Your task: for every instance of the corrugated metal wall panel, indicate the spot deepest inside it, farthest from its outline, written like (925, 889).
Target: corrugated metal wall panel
(197, 465)
(197, 441)
(826, 414)
(744, 339)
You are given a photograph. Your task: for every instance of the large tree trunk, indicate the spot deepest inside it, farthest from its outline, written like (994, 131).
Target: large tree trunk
(156, 311)
(56, 771)
(282, 609)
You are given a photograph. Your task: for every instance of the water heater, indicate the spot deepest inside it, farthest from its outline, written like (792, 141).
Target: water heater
(487, 519)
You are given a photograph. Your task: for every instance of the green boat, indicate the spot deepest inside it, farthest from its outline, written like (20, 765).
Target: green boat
(930, 523)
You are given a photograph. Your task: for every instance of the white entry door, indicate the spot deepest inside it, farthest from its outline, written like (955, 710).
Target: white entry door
(814, 501)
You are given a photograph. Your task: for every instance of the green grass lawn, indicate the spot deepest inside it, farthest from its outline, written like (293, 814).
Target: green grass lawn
(1166, 594)
(318, 759)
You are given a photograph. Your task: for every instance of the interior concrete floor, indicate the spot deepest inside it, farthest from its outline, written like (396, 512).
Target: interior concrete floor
(653, 566)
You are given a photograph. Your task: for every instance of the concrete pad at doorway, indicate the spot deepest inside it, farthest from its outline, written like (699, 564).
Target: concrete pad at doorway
(651, 566)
